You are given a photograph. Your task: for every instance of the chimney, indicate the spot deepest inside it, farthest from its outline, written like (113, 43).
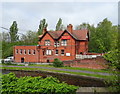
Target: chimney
(69, 28)
(44, 30)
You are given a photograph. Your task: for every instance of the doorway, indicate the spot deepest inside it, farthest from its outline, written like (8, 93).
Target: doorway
(48, 61)
(22, 60)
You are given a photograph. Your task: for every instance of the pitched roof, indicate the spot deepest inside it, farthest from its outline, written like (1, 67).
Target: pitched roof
(80, 34)
(55, 34)
(77, 34)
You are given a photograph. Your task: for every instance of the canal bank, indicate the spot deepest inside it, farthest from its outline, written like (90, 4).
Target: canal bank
(82, 81)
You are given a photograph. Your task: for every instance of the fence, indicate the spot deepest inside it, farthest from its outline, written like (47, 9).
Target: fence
(79, 56)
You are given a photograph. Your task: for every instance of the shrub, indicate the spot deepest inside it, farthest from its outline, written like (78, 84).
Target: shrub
(57, 63)
(34, 85)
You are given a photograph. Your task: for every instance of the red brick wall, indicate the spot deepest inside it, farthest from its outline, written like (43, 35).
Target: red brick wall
(70, 48)
(97, 63)
(27, 57)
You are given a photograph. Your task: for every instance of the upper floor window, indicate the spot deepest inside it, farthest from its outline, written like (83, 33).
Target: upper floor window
(20, 51)
(16, 51)
(48, 52)
(47, 42)
(25, 52)
(56, 44)
(33, 52)
(56, 52)
(64, 42)
(29, 52)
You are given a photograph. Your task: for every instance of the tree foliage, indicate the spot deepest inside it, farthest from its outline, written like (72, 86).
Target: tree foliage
(13, 32)
(42, 25)
(34, 85)
(57, 63)
(59, 25)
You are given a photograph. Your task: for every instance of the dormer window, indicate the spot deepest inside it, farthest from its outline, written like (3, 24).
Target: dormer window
(47, 42)
(56, 44)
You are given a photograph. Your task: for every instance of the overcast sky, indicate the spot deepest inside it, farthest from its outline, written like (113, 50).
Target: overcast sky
(29, 14)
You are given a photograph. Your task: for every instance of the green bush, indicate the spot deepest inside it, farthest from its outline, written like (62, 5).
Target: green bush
(34, 85)
(57, 63)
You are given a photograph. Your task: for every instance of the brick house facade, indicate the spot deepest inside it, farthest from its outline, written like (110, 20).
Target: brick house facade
(63, 45)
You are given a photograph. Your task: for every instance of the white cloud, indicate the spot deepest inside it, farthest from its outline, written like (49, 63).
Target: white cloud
(28, 15)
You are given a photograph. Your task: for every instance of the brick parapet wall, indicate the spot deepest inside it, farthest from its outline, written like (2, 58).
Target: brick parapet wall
(95, 63)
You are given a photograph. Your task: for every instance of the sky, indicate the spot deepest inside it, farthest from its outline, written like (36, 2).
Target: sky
(28, 14)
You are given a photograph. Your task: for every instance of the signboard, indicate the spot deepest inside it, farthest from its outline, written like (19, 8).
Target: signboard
(67, 54)
(65, 37)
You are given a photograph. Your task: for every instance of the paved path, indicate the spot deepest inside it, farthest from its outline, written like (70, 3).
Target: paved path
(69, 70)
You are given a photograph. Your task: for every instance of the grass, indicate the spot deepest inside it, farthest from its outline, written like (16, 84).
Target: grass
(71, 68)
(58, 71)
(76, 68)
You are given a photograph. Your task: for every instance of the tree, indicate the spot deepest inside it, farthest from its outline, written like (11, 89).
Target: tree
(42, 25)
(31, 38)
(13, 32)
(83, 26)
(59, 25)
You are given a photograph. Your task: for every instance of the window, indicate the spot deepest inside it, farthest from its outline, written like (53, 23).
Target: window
(16, 51)
(25, 52)
(20, 51)
(47, 42)
(48, 52)
(56, 44)
(29, 52)
(33, 52)
(62, 52)
(64, 42)
(56, 52)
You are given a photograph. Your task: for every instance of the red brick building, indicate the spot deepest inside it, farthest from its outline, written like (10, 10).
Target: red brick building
(63, 45)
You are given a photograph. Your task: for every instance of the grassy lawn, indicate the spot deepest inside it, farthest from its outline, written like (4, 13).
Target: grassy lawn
(51, 70)
(75, 68)
(72, 68)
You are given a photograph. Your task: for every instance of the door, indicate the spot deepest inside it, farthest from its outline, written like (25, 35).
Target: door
(22, 60)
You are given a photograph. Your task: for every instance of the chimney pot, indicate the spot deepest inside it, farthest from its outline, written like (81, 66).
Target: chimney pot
(44, 30)
(69, 28)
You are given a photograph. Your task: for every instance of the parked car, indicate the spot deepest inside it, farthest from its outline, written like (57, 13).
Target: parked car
(8, 59)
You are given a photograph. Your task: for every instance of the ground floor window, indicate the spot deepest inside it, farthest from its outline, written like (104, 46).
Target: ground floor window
(62, 52)
(48, 52)
(56, 52)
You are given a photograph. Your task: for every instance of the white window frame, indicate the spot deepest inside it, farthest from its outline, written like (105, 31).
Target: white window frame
(62, 52)
(56, 52)
(63, 42)
(48, 52)
(56, 44)
(33, 51)
(16, 51)
(25, 52)
(20, 51)
(29, 52)
(47, 42)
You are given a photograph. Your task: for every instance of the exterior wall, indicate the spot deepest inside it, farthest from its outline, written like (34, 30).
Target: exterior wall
(96, 63)
(70, 48)
(27, 57)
